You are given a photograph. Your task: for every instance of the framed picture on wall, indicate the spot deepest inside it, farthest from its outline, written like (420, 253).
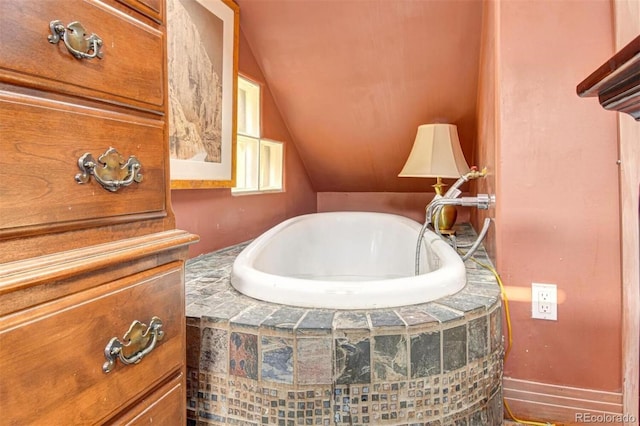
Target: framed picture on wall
(202, 50)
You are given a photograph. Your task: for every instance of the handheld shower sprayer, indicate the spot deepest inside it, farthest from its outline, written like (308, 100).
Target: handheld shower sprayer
(481, 201)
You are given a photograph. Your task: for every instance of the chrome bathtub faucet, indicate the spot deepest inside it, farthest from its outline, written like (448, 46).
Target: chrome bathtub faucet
(450, 198)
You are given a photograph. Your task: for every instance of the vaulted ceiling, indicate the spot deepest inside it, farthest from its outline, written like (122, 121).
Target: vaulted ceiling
(353, 79)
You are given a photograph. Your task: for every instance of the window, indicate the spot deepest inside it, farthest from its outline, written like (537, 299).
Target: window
(258, 160)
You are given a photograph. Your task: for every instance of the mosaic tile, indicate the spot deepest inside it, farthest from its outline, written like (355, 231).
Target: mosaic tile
(200, 308)
(284, 318)
(443, 314)
(347, 320)
(353, 360)
(473, 266)
(495, 329)
(465, 302)
(477, 338)
(486, 288)
(196, 297)
(425, 354)
(455, 421)
(192, 393)
(253, 316)
(228, 309)
(385, 318)
(479, 418)
(277, 359)
(495, 409)
(243, 355)
(482, 257)
(480, 274)
(314, 361)
(454, 348)
(317, 320)
(205, 287)
(193, 345)
(476, 293)
(416, 315)
(214, 350)
(390, 357)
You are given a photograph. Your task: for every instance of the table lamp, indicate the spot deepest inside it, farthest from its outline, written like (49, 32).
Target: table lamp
(436, 153)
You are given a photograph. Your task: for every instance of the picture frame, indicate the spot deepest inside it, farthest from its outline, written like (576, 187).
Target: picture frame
(202, 50)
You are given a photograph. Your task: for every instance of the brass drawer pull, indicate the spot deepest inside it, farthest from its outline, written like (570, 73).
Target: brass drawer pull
(75, 37)
(111, 170)
(140, 342)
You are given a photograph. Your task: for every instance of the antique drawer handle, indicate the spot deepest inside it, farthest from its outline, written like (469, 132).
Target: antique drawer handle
(75, 37)
(140, 341)
(111, 170)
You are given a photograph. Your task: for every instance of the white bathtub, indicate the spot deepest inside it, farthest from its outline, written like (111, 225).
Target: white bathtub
(347, 260)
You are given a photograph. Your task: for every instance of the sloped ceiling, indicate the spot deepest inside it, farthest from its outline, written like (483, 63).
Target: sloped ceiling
(353, 79)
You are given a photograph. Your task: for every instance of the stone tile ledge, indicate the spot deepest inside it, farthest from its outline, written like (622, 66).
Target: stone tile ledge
(211, 297)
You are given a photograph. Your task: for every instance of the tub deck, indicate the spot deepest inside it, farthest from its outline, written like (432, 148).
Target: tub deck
(256, 362)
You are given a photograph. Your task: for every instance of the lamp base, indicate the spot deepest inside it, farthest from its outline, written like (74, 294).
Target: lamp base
(448, 216)
(448, 213)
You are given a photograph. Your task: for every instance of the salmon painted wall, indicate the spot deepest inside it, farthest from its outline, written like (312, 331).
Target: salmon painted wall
(221, 219)
(558, 214)
(552, 165)
(486, 147)
(408, 204)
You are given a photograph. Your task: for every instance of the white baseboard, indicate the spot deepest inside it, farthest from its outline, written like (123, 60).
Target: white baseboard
(559, 404)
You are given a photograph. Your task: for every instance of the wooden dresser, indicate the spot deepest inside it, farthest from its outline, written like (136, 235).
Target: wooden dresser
(92, 316)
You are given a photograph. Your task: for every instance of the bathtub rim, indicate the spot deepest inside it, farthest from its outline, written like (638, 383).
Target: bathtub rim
(450, 277)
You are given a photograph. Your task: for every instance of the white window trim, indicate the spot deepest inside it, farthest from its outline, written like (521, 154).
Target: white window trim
(260, 141)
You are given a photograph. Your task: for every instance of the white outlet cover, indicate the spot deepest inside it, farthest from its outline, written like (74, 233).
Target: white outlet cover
(544, 301)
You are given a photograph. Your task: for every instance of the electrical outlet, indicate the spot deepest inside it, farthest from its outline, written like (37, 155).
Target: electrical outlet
(544, 301)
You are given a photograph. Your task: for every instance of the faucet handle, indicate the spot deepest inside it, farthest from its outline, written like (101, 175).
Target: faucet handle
(474, 173)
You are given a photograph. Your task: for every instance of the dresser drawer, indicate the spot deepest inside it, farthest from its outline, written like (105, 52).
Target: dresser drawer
(154, 9)
(131, 70)
(39, 163)
(52, 356)
(163, 407)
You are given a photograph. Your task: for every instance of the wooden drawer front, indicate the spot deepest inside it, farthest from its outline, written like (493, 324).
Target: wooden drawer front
(154, 9)
(52, 357)
(131, 70)
(39, 162)
(166, 406)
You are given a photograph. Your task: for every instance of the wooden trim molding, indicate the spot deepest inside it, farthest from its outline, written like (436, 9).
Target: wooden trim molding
(627, 27)
(630, 223)
(617, 82)
(560, 404)
(51, 268)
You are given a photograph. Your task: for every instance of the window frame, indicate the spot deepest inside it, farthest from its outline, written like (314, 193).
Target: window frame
(261, 142)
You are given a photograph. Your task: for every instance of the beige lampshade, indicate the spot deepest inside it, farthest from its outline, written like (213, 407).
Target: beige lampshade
(436, 152)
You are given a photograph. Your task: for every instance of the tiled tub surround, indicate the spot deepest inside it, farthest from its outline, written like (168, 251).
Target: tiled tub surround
(251, 362)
